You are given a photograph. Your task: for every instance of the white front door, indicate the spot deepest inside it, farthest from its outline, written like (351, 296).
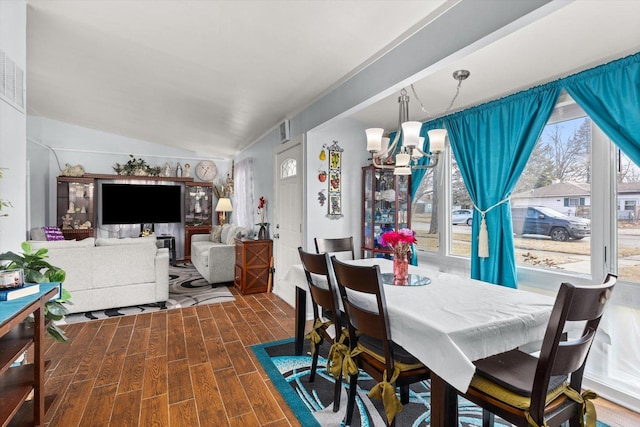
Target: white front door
(287, 231)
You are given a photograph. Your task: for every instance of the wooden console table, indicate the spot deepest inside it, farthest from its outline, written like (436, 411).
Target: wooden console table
(17, 335)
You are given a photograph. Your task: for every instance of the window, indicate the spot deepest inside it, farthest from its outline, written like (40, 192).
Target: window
(288, 168)
(628, 229)
(424, 212)
(550, 204)
(460, 232)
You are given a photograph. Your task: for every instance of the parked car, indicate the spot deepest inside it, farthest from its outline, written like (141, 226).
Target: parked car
(462, 216)
(548, 222)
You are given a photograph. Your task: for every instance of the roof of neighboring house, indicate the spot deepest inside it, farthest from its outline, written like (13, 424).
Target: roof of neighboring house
(573, 189)
(629, 187)
(561, 189)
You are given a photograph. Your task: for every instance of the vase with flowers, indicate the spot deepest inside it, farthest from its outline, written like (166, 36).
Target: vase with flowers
(263, 232)
(400, 244)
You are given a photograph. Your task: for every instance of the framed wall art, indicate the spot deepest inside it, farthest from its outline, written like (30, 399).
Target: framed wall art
(335, 182)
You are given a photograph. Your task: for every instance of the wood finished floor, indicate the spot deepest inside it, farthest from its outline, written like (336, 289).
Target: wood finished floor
(184, 367)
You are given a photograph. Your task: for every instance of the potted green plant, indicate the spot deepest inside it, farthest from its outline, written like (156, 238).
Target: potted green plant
(38, 270)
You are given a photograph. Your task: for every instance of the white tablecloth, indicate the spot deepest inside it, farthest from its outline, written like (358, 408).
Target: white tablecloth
(456, 320)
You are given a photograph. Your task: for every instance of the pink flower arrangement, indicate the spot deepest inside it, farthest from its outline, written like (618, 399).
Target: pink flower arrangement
(399, 241)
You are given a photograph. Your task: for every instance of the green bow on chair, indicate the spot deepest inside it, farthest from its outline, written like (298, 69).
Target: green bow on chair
(314, 335)
(336, 355)
(386, 391)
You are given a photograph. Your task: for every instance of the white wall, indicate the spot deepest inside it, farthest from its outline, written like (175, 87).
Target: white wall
(351, 138)
(13, 152)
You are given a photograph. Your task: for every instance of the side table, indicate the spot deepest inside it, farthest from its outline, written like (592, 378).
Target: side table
(253, 263)
(168, 241)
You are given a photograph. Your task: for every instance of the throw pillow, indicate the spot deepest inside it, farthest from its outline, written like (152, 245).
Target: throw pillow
(53, 233)
(231, 236)
(215, 234)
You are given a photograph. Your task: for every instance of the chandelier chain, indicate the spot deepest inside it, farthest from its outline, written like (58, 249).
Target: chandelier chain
(459, 75)
(424, 110)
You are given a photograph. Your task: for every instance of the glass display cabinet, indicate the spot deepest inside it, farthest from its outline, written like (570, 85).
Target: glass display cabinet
(197, 203)
(75, 207)
(198, 210)
(386, 206)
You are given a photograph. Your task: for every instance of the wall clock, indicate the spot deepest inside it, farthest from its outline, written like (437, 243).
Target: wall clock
(206, 170)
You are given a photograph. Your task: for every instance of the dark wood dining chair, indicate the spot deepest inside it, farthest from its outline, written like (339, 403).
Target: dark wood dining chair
(528, 391)
(371, 346)
(324, 299)
(335, 246)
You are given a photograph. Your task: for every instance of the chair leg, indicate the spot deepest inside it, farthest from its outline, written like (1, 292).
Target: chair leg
(314, 363)
(353, 389)
(487, 418)
(404, 394)
(337, 392)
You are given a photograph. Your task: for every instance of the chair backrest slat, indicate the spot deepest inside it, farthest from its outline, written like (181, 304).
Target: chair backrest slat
(335, 245)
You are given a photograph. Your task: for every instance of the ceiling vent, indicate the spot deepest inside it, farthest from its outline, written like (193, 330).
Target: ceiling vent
(12, 89)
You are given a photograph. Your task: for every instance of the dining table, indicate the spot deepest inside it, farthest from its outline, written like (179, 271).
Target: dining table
(447, 322)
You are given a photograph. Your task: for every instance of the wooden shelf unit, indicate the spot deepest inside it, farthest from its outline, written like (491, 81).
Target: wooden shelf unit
(22, 387)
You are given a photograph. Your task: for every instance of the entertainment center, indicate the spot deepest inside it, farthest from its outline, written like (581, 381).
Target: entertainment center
(86, 203)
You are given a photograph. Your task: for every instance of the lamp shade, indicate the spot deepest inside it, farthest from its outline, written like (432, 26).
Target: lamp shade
(411, 133)
(374, 139)
(437, 139)
(402, 159)
(224, 205)
(402, 170)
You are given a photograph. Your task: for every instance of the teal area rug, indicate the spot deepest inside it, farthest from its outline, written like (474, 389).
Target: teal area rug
(312, 403)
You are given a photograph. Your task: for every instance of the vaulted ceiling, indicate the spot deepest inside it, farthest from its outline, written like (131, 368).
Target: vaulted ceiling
(214, 76)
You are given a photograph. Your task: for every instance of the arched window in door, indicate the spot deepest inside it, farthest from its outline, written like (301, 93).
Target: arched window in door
(288, 168)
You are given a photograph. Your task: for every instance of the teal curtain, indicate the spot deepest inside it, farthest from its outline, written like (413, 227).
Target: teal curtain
(418, 174)
(610, 94)
(492, 144)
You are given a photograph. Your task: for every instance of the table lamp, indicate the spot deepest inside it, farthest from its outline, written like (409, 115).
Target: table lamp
(224, 206)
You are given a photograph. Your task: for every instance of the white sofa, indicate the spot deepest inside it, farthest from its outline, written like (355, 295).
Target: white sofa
(214, 256)
(110, 273)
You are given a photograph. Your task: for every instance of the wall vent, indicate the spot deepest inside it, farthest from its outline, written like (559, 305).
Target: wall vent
(12, 89)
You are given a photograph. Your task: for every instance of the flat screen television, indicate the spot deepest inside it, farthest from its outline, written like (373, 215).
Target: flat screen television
(140, 204)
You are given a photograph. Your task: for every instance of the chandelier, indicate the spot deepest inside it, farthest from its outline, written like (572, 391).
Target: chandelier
(410, 150)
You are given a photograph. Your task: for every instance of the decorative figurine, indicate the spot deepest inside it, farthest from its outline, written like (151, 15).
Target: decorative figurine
(167, 170)
(179, 170)
(66, 221)
(72, 207)
(187, 170)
